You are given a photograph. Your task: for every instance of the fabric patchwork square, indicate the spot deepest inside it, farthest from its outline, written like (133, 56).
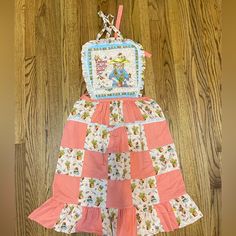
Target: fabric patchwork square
(119, 194)
(136, 137)
(74, 134)
(82, 110)
(148, 223)
(185, 210)
(97, 138)
(66, 188)
(164, 159)
(95, 165)
(157, 134)
(91, 220)
(144, 192)
(69, 216)
(118, 166)
(170, 185)
(126, 222)
(150, 110)
(118, 140)
(102, 112)
(166, 215)
(93, 192)
(116, 112)
(131, 111)
(141, 165)
(109, 221)
(70, 161)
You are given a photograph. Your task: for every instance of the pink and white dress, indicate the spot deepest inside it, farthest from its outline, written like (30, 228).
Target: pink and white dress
(118, 173)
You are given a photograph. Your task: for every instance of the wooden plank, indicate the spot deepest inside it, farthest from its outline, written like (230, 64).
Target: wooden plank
(195, 97)
(19, 69)
(20, 191)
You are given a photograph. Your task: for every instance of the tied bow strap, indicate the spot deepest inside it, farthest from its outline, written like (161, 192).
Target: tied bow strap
(108, 26)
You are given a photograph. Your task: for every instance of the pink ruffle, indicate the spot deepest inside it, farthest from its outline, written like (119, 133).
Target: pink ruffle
(47, 214)
(65, 190)
(126, 222)
(91, 221)
(166, 215)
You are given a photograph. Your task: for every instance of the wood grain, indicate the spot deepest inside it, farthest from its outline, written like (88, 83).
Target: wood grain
(183, 75)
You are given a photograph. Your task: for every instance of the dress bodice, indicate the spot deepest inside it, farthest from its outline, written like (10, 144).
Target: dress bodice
(113, 66)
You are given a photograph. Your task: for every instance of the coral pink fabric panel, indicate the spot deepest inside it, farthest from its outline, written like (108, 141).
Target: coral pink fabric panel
(119, 194)
(170, 185)
(95, 165)
(131, 112)
(126, 222)
(66, 188)
(141, 165)
(74, 134)
(157, 134)
(47, 214)
(167, 216)
(118, 140)
(104, 109)
(91, 220)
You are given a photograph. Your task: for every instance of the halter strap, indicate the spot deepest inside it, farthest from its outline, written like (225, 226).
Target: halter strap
(118, 20)
(108, 26)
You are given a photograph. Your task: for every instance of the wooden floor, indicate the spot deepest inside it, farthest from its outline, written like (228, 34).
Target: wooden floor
(183, 75)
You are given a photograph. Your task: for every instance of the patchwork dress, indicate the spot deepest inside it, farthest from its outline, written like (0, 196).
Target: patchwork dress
(117, 172)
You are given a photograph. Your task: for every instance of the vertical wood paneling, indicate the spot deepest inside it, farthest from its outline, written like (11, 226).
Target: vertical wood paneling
(183, 75)
(19, 70)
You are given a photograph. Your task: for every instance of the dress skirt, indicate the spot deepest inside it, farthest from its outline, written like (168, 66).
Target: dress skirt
(118, 173)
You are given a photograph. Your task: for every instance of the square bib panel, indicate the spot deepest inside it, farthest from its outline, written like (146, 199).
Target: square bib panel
(113, 68)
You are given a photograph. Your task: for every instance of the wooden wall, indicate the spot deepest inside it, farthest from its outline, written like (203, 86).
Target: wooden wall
(183, 75)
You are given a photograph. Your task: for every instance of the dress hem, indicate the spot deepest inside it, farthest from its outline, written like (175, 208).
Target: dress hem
(52, 217)
(100, 234)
